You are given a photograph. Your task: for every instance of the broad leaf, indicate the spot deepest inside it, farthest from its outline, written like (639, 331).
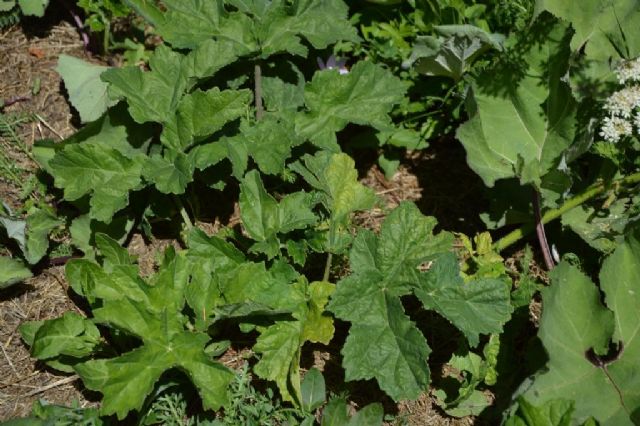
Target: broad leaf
(264, 218)
(383, 343)
(87, 93)
(203, 113)
(12, 271)
(576, 330)
(169, 175)
(280, 344)
(97, 170)
(280, 26)
(476, 307)
(601, 28)
(522, 113)
(151, 312)
(71, 335)
(452, 56)
(335, 176)
(555, 412)
(33, 7)
(269, 143)
(39, 224)
(364, 96)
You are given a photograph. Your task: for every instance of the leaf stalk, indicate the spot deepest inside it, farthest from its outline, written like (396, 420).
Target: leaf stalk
(591, 192)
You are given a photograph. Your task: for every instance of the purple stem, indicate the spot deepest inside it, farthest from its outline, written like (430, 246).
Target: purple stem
(542, 236)
(14, 100)
(80, 25)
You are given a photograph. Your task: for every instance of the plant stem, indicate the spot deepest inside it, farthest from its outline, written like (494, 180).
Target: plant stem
(327, 267)
(550, 215)
(542, 236)
(183, 212)
(257, 71)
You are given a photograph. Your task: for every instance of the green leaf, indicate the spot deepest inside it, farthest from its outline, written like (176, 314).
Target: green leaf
(451, 57)
(71, 335)
(336, 413)
(335, 176)
(12, 271)
(33, 7)
(555, 412)
(313, 390)
(280, 26)
(7, 5)
(281, 96)
(522, 113)
(383, 343)
(602, 228)
(87, 93)
(279, 344)
(264, 218)
(601, 28)
(203, 113)
(364, 96)
(576, 330)
(103, 172)
(153, 313)
(476, 307)
(112, 252)
(371, 414)
(39, 224)
(269, 143)
(16, 230)
(169, 175)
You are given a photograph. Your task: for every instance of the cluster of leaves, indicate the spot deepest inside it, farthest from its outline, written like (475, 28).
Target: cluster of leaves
(230, 102)
(446, 38)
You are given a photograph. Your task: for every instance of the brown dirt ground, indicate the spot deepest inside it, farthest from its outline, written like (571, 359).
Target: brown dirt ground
(26, 56)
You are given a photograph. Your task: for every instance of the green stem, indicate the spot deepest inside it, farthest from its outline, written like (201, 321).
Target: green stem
(550, 215)
(327, 267)
(183, 212)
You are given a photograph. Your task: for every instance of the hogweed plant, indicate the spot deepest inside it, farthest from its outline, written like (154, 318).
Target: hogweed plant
(231, 102)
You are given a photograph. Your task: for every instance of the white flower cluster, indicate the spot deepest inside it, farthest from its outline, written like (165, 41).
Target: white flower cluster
(623, 106)
(628, 71)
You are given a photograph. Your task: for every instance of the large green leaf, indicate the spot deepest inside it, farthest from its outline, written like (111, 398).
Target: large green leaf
(202, 113)
(264, 218)
(280, 26)
(476, 307)
(280, 344)
(153, 313)
(335, 176)
(39, 224)
(156, 94)
(100, 171)
(170, 173)
(364, 96)
(269, 142)
(33, 7)
(555, 412)
(576, 330)
(87, 93)
(383, 342)
(522, 113)
(602, 28)
(71, 335)
(12, 271)
(451, 56)
(603, 228)
(263, 27)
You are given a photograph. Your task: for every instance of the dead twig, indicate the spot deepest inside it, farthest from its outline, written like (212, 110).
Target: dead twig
(62, 382)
